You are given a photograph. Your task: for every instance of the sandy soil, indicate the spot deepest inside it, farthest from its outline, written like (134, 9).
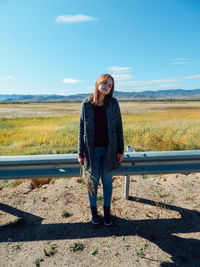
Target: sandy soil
(158, 226)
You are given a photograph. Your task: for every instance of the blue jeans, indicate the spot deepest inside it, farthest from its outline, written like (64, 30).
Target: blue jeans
(99, 161)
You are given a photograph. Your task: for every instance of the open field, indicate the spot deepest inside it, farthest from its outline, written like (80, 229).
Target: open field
(53, 127)
(61, 109)
(50, 226)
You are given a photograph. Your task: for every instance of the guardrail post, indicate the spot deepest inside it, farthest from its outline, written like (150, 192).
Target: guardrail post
(127, 178)
(127, 182)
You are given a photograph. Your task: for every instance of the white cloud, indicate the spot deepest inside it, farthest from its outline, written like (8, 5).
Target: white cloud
(193, 76)
(120, 77)
(159, 81)
(64, 93)
(8, 77)
(120, 73)
(159, 87)
(69, 81)
(119, 69)
(181, 61)
(141, 83)
(73, 19)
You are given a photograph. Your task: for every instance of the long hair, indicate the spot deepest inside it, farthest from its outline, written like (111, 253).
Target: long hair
(94, 97)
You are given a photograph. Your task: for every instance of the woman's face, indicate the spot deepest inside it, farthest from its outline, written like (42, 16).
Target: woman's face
(105, 86)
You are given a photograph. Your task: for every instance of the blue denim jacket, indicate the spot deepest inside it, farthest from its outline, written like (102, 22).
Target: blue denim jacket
(86, 133)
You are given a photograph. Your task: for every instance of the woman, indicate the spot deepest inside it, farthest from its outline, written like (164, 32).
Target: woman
(101, 141)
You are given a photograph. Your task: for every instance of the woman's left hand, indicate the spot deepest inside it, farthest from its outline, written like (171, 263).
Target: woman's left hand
(120, 157)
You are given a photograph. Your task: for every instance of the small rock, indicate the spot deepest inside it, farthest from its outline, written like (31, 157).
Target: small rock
(44, 186)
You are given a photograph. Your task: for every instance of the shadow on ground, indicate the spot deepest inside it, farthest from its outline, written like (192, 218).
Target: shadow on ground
(184, 252)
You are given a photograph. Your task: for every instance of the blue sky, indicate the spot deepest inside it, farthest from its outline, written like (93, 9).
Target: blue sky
(61, 47)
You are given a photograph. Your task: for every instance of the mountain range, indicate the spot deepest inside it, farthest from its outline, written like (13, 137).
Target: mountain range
(172, 94)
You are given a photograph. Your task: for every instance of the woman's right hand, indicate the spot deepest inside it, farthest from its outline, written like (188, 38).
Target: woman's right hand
(81, 161)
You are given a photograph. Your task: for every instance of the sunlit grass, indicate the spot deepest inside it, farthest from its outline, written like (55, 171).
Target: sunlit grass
(166, 130)
(161, 130)
(50, 135)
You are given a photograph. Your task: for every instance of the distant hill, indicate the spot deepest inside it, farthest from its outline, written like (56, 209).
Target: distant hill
(173, 94)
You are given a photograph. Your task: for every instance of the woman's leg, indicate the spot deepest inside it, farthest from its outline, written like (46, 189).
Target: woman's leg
(107, 189)
(106, 180)
(95, 174)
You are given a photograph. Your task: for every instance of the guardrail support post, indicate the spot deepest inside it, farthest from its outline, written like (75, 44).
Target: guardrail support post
(127, 178)
(127, 182)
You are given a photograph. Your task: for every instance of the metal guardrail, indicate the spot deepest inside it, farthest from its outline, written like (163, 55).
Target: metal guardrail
(66, 165)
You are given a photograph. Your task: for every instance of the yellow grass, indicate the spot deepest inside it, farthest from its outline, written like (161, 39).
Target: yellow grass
(166, 128)
(39, 135)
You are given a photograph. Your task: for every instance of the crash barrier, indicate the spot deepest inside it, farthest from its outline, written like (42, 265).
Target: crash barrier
(66, 165)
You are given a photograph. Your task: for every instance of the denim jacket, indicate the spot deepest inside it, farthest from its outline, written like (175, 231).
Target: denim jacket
(87, 129)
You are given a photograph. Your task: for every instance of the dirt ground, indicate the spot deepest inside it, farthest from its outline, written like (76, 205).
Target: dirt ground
(158, 226)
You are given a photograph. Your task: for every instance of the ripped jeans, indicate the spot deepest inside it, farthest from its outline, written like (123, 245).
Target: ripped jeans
(99, 160)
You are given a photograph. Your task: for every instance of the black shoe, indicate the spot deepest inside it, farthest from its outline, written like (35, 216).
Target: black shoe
(107, 216)
(95, 217)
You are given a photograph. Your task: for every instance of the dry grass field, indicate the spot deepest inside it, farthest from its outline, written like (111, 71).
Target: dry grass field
(48, 128)
(61, 109)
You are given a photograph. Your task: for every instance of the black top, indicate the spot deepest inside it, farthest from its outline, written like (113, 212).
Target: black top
(101, 127)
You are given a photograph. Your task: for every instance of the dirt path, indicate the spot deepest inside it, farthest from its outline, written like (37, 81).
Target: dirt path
(158, 226)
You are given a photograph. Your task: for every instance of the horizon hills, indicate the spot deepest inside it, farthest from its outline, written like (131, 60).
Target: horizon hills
(167, 94)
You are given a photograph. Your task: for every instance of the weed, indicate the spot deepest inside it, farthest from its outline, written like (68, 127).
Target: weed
(37, 261)
(126, 246)
(132, 180)
(140, 252)
(44, 199)
(148, 176)
(94, 251)
(65, 213)
(99, 199)
(5, 183)
(76, 246)
(17, 182)
(17, 246)
(115, 198)
(51, 251)
(162, 193)
(38, 182)
(1, 213)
